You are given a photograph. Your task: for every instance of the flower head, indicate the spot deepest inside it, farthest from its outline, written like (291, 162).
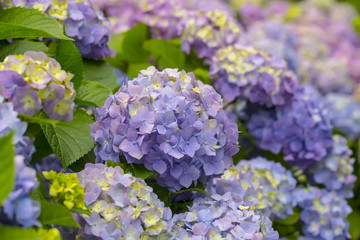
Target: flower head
(33, 81)
(169, 122)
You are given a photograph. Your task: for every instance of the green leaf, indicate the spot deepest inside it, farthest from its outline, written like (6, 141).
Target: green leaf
(290, 220)
(7, 166)
(167, 54)
(92, 94)
(79, 165)
(20, 47)
(101, 72)
(56, 214)
(134, 69)
(203, 75)
(69, 57)
(42, 147)
(18, 233)
(129, 45)
(137, 170)
(354, 219)
(70, 140)
(28, 23)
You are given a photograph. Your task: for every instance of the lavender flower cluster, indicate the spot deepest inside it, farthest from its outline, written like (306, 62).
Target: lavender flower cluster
(343, 111)
(266, 184)
(19, 207)
(169, 122)
(221, 217)
(323, 214)
(206, 32)
(33, 81)
(88, 27)
(122, 206)
(245, 73)
(335, 171)
(301, 131)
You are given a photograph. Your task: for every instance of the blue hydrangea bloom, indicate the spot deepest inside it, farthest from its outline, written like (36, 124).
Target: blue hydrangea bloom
(323, 214)
(19, 207)
(266, 184)
(33, 81)
(169, 122)
(88, 27)
(221, 217)
(300, 130)
(343, 112)
(335, 171)
(122, 206)
(241, 72)
(209, 31)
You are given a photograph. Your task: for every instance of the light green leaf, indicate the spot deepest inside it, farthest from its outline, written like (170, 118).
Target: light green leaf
(101, 72)
(135, 68)
(167, 54)
(20, 47)
(70, 140)
(69, 57)
(129, 45)
(28, 23)
(7, 166)
(92, 94)
(56, 214)
(17, 233)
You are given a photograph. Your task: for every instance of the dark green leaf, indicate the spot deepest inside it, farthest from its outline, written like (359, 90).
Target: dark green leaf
(291, 220)
(7, 166)
(129, 45)
(354, 219)
(56, 214)
(167, 54)
(92, 94)
(70, 140)
(69, 57)
(79, 165)
(42, 147)
(20, 47)
(137, 170)
(101, 72)
(203, 75)
(28, 23)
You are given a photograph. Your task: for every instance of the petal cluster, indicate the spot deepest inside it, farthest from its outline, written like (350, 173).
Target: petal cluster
(33, 81)
(301, 130)
(169, 122)
(221, 217)
(323, 213)
(266, 184)
(207, 32)
(122, 206)
(335, 172)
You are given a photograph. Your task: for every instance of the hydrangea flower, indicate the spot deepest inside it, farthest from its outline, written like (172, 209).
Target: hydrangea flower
(276, 38)
(209, 31)
(266, 184)
(88, 27)
(343, 112)
(301, 130)
(169, 122)
(221, 217)
(335, 172)
(33, 81)
(323, 213)
(122, 206)
(65, 189)
(19, 207)
(246, 73)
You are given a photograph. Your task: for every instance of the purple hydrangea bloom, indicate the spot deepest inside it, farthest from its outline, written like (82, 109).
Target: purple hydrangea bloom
(276, 38)
(33, 81)
(323, 214)
(266, 184)
(207, 32)
(122, 206)
(335, 171)
(221, 217)
(169, 122)
(343, 112)
(300, 130)
(19, 207)
(88, 27)
(248, 74)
